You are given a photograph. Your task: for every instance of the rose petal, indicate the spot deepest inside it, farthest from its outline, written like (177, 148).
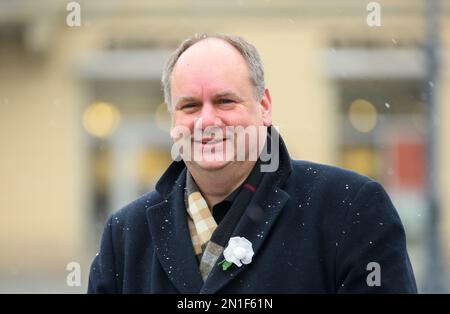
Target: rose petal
(247, 259)
(238, 251)
(229, 256)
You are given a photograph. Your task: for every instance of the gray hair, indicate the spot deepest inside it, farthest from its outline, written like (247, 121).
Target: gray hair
(247, 50)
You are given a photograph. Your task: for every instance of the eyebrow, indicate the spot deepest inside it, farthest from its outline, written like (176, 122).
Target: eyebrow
(226, 94)
(184, 99)
(218, 95)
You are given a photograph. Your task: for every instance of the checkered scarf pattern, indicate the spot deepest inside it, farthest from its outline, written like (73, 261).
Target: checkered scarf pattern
(201, 227)
(200, 219)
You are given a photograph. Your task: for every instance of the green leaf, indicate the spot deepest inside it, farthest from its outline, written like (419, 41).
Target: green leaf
(226, 264)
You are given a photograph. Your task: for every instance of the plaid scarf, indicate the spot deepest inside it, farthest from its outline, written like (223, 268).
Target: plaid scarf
(208, 238)
(200, 220)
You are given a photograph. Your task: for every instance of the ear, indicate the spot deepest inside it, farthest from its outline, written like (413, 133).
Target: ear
(266, 107)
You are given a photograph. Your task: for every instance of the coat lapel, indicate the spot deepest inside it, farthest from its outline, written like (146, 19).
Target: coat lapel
(255, 225)
(172, 242)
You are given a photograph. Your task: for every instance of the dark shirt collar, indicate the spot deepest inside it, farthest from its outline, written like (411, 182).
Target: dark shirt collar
(232, 195)
(220, 209)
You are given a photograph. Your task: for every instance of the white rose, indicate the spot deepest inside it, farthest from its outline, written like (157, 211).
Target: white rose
(239, 251)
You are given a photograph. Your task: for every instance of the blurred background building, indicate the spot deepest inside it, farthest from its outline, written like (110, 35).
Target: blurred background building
(84, 130)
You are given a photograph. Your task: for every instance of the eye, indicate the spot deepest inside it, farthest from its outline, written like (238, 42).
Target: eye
(188, 106)
(225, 101)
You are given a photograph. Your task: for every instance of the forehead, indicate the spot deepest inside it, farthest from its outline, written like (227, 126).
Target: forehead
(210, 63)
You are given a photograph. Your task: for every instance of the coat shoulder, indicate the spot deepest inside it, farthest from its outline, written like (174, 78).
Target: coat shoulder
(136, 210)
(330, 184)
(329, 173)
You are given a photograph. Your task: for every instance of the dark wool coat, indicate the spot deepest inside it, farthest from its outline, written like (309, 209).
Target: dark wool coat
(314, 229)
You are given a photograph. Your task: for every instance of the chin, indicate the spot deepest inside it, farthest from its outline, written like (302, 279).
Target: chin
(211, 165)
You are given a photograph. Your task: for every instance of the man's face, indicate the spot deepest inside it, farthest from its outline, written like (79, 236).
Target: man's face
(211, 91)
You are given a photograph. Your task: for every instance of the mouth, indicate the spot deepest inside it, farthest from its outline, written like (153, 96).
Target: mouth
(211, 141)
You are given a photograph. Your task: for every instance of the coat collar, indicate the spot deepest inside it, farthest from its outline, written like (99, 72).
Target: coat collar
(170, 233)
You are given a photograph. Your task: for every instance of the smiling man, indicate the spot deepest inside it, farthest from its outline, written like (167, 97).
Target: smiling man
(210, 88)
(231, 215)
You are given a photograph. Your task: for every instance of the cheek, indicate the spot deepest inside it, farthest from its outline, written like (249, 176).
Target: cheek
(242, 116)
(252, 117)
(182, 120)
(182, 126)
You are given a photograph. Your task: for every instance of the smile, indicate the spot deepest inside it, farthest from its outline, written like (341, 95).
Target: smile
(210, 141)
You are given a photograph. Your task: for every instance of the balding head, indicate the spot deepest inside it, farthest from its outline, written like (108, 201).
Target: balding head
(210, 46)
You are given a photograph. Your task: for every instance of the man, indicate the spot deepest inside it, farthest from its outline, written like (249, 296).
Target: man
(218, 223)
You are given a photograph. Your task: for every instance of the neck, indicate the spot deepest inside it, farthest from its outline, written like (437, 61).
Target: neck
(216, 185)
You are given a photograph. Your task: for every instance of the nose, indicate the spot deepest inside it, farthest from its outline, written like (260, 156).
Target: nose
(208, 117)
